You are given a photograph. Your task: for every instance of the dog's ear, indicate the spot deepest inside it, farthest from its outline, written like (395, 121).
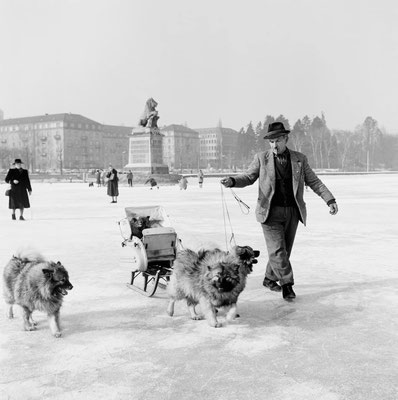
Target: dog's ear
(240, 251)
(48, 272)
(201, 253)
(59, 263)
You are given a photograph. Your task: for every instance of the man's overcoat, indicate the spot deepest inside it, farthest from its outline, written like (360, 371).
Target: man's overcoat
(18, 195)
(263, 169)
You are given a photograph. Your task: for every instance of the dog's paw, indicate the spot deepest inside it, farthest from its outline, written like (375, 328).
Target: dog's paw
(57, 334)
(10, 313)
(30, 327)
(215, 324)
(197, 317)
(232, 317)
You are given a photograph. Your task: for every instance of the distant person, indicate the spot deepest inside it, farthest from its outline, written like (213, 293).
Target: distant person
(130, 178)
(200, 178)
(282, 175)
(103, 177)
(98, 177)
(152, 182)
(183, 183)
(19, 180)
(113, 183)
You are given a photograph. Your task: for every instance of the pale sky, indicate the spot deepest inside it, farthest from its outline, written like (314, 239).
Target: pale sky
(202, 61)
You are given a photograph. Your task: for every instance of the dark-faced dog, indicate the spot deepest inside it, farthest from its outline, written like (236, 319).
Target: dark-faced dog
(91, 184)
(138, 224)
(212, 279)
(35, 284)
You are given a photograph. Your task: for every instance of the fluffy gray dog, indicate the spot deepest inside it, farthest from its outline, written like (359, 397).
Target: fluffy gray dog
(212, 279)
(35, 284)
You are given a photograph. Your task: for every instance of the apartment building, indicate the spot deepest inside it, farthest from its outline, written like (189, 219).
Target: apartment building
(53, 142)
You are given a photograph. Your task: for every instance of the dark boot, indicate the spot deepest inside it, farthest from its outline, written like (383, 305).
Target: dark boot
(21, 218)
(13, 216)
(287, 292)
(271, 285)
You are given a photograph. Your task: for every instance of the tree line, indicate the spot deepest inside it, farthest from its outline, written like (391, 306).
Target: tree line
(366, 148)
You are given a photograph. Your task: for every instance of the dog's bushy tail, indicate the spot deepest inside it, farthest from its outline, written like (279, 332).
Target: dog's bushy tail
(29, 254)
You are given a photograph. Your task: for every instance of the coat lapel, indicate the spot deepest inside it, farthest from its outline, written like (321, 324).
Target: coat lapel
(296, 169)
(270, 167)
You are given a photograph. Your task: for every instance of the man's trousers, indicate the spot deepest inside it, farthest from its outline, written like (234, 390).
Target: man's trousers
(279, 232)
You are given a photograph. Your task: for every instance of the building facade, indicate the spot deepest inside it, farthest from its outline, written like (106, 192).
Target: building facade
(218, 147)
(52, 143)
(180, 147)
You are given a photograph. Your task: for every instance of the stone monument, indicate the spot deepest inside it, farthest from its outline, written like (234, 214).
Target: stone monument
(146, 143)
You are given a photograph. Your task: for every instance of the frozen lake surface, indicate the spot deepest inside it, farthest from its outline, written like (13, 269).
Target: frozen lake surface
(337, 341)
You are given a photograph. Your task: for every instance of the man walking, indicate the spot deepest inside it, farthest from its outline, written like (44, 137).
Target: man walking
(282, 175)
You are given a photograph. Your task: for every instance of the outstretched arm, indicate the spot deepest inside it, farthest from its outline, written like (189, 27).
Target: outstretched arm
(248, 178)
(312, 180)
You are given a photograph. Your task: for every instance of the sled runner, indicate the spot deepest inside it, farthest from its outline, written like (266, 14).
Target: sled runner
(148, 249)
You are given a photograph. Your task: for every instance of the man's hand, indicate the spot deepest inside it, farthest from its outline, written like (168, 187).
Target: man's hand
(227, 182)
(30, 192)
(333, 209)
(15, 182)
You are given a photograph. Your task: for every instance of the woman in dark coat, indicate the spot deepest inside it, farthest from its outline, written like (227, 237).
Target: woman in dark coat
(20, 185)
(113, 185)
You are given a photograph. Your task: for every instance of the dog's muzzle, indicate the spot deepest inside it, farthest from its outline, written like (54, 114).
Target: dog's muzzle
(63, 290)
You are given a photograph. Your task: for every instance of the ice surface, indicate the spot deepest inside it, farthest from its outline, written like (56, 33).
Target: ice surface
(337, 341)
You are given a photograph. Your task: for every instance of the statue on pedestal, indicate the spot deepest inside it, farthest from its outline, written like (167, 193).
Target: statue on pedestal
(149, 118)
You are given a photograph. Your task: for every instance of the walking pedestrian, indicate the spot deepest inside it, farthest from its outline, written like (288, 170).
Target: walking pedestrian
(282, 175)
(183, 183)
(98, 177)
(130, 178)
(18, 178)
(200, 178)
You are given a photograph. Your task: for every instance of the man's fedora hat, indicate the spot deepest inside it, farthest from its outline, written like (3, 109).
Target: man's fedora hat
(17, 161)
(275, 130)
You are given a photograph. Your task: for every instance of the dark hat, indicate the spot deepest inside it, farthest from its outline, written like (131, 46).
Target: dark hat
(275, 130)
(17, 161)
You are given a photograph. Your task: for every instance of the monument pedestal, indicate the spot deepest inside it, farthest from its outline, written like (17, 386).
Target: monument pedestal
(146, 151)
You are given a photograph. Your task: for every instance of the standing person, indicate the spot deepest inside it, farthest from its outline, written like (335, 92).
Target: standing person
(130, 178)
(183, 183)
(113, 183)
(200, 178)
(20, 187)
(98, 177)
(282, 175)
(103, 177)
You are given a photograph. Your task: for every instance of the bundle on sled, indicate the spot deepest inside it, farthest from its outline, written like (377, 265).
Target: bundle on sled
(149, 248)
